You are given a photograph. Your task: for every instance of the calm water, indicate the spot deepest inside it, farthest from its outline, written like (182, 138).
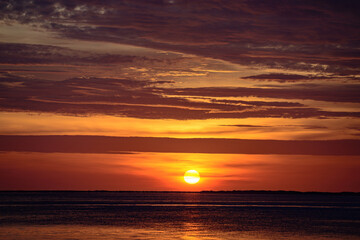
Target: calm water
(157, 215)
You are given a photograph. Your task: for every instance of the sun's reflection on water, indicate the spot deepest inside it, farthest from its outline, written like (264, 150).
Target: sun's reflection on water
(189, 231)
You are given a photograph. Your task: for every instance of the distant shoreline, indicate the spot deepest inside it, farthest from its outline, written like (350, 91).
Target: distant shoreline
(201, 192)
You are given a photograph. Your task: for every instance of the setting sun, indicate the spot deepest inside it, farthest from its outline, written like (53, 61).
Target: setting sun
(191, 177)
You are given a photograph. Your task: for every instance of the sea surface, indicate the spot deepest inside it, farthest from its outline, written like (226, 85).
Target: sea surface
(178, 215)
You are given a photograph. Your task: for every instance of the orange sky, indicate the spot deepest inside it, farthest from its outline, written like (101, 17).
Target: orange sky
(179, 70)
(164, 171)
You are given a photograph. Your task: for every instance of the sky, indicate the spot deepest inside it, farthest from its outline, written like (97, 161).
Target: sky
(130, 94)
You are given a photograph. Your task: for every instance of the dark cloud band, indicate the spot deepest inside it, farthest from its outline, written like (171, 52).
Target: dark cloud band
(99, 144)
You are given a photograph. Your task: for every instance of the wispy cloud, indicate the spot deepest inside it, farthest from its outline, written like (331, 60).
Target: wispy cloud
(146, 99)
(335, 93)
(14, 53)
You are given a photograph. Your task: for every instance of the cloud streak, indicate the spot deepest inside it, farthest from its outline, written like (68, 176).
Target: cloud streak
(336, 93)
(15, 53)
(281, 77)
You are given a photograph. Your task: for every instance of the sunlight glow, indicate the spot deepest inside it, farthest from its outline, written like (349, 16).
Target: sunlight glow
(191, 176)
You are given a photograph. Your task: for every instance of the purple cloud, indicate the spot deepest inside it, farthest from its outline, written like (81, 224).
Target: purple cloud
(321, 36)
(146, 99)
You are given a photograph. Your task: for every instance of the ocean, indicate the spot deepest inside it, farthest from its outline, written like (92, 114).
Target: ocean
(101, 215)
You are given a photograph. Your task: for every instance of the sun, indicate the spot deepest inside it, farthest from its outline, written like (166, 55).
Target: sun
(191, 176)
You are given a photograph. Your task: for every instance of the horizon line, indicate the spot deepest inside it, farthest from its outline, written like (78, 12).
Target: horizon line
(202, 191)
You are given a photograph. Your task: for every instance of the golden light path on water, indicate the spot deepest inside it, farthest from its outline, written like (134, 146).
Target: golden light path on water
(189, 231)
